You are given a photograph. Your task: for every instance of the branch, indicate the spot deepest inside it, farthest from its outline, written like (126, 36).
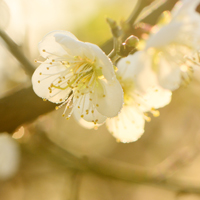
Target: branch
(21, 107)
(104, 167)
(17, 53)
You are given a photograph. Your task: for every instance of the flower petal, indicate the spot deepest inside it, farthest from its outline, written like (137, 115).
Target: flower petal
(169, 74)
(108, 97)
(103, 61)
(85, 109)
(138, 67)
(128, 126)
(83, 123)
(42, 79)
(73, 46)
(50, 45)
(156, 97)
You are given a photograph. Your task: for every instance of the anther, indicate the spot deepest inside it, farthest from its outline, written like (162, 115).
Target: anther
(38, 81)
(47, 68)
(40, 73)
(104, 95)
(92, 111)
(90, 99)
(44, 99)
(82, 116)
(60, 99)
(97, 105)
(78, 106)
(57, 107)
(43, 50)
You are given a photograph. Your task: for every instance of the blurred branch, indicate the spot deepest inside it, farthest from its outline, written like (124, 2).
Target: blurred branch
(75, 187)
(137, 10)
(24, 106)
(150, 19)
(17, 53)
(21, 107)
(104, 167)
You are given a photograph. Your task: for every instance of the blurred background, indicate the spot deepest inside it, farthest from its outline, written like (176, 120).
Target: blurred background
(32, 159)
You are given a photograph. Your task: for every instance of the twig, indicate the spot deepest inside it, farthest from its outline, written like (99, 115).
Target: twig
(137, 10)
(16, 51)
(106, 167)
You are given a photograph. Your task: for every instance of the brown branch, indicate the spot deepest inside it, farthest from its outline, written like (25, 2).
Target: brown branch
(21, 107)
(42, 147)
(17, 53)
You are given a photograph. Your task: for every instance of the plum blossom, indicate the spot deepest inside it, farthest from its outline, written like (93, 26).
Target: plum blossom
(173, 46)
(78, 75)
(128, 125)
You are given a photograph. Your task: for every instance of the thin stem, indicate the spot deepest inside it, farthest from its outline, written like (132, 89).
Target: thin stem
(16, 51)
(136, 11)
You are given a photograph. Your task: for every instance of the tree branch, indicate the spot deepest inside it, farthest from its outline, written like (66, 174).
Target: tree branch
(17, 53)
(107, 168)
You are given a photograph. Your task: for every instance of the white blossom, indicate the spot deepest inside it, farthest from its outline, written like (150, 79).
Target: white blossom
(78, 75)
(128, 126)
(173, 46)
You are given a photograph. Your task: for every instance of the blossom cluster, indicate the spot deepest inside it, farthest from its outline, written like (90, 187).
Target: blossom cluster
(80, 77)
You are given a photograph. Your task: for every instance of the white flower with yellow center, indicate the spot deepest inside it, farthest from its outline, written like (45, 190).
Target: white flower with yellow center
(78, 75)
(128, 126)
(172, 46)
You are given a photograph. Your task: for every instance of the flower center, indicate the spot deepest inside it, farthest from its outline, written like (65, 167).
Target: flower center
(76, 79)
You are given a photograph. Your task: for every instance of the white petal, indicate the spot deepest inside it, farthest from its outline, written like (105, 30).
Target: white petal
(169, 75)
(164, 36)
(50, 45)
(103, 61)
(130, 66)
(110, 104)
(84, 108)
(181, 9)
(128, 126)
(45, 78)
(73, 46)
(83, 123)
(140, 70)
(156, 97)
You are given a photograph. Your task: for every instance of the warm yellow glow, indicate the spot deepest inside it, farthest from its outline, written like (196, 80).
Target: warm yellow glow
(18, 134)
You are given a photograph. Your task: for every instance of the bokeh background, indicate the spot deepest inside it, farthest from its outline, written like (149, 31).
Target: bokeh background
(169, 147)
